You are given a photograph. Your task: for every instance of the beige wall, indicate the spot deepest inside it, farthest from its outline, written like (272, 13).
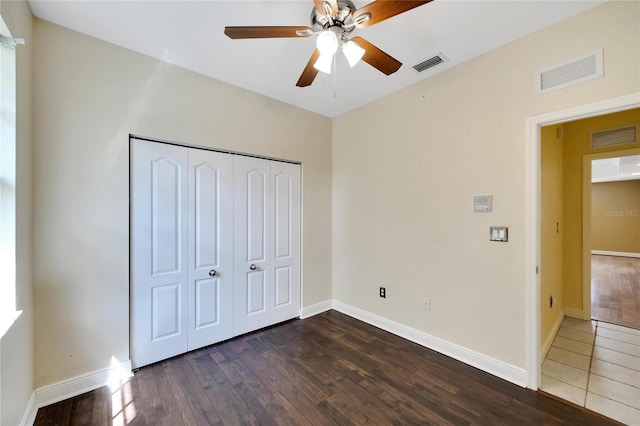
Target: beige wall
(393, 221)
(89, 95)
(576, 144)
(16, 347)
(615, 216)
(551, 228)
(405, 169)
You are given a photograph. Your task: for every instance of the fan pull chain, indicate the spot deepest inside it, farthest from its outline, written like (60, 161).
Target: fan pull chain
(335, 90)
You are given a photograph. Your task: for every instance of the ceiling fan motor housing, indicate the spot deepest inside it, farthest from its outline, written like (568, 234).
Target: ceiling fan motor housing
(343, 20)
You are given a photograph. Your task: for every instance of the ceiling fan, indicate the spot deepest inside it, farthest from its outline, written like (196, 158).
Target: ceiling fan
(333, 21)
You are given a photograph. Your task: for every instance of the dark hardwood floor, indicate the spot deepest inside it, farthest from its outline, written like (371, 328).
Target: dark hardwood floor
(329, 369)
(615, 290)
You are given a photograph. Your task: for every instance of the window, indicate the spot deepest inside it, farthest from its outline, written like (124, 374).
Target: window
(8, 312)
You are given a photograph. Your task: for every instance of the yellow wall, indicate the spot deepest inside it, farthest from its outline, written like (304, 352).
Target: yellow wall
(562, 150)
(615, 216)
(551, 227)
(576, 145)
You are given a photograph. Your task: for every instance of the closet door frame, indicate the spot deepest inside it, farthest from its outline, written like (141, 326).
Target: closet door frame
(294, 306)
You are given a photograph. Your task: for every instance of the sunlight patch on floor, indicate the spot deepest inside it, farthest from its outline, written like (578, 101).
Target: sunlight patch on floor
(123, 409)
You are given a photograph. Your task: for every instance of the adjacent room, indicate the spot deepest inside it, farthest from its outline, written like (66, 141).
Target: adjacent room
(590, 263)
(319, 212)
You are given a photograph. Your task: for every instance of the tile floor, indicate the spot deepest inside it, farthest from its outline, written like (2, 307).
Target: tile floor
(596, 365)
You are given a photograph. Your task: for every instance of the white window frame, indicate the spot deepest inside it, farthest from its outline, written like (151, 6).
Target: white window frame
(8, 312)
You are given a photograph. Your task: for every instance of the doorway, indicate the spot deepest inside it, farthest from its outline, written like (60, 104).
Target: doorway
(567, 150)
(581, 356)
(612, 202)
(533, 213)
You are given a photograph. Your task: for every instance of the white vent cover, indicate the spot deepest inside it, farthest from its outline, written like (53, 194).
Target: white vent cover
(614, 137)
(431, 62)
(577, 70)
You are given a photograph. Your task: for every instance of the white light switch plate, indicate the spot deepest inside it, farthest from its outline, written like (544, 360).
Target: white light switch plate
(499, 233)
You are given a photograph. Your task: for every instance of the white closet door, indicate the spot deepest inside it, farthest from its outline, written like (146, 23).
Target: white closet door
(210, 223)
(267, 243)
(285, 260)
(159, 245)
(215, 247)
(253, 237)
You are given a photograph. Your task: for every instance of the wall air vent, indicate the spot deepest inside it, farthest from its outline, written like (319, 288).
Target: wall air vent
(431, 62)
(614, 137)
(576, 71)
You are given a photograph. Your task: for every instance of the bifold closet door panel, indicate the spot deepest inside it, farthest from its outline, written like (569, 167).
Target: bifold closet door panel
(267, 242)
(159, 251)
(285, 260)
(210, 257)
(252, 238)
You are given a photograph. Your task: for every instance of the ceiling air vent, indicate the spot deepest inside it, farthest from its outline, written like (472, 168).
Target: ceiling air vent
(431, 62)
(614, 137)
(581, 69)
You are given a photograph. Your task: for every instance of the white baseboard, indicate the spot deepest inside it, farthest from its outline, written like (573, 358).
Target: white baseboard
(316, 309)
(78, 385)
(30, 412)
(500, 369)
(615, 253)
(573, 313)
(552, 335)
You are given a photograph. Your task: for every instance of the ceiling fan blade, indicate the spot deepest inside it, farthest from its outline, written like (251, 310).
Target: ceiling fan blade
(382, 9)
(333, 4)
(267, 32)
(377, 58)
(309, 73)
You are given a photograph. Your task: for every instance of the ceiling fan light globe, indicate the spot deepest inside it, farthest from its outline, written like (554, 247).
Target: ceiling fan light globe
(327, 42)
(353, 52)
(323, 63)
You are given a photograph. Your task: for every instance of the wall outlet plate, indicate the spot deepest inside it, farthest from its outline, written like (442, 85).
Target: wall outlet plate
(426, 304)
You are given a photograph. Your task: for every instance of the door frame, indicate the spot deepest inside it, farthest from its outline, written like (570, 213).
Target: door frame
(532, 213)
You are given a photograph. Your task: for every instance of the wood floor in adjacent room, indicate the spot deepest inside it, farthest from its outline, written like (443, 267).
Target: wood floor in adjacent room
(615, 290)
(329, 369)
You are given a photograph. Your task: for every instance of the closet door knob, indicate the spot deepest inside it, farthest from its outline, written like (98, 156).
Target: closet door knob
(252, 267)
(212, 273)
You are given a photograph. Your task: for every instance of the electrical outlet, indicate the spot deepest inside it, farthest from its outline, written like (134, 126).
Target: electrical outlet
(383, 292)
(426, 304)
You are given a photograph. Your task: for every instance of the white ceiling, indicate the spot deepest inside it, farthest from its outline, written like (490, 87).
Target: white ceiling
(190, 34)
